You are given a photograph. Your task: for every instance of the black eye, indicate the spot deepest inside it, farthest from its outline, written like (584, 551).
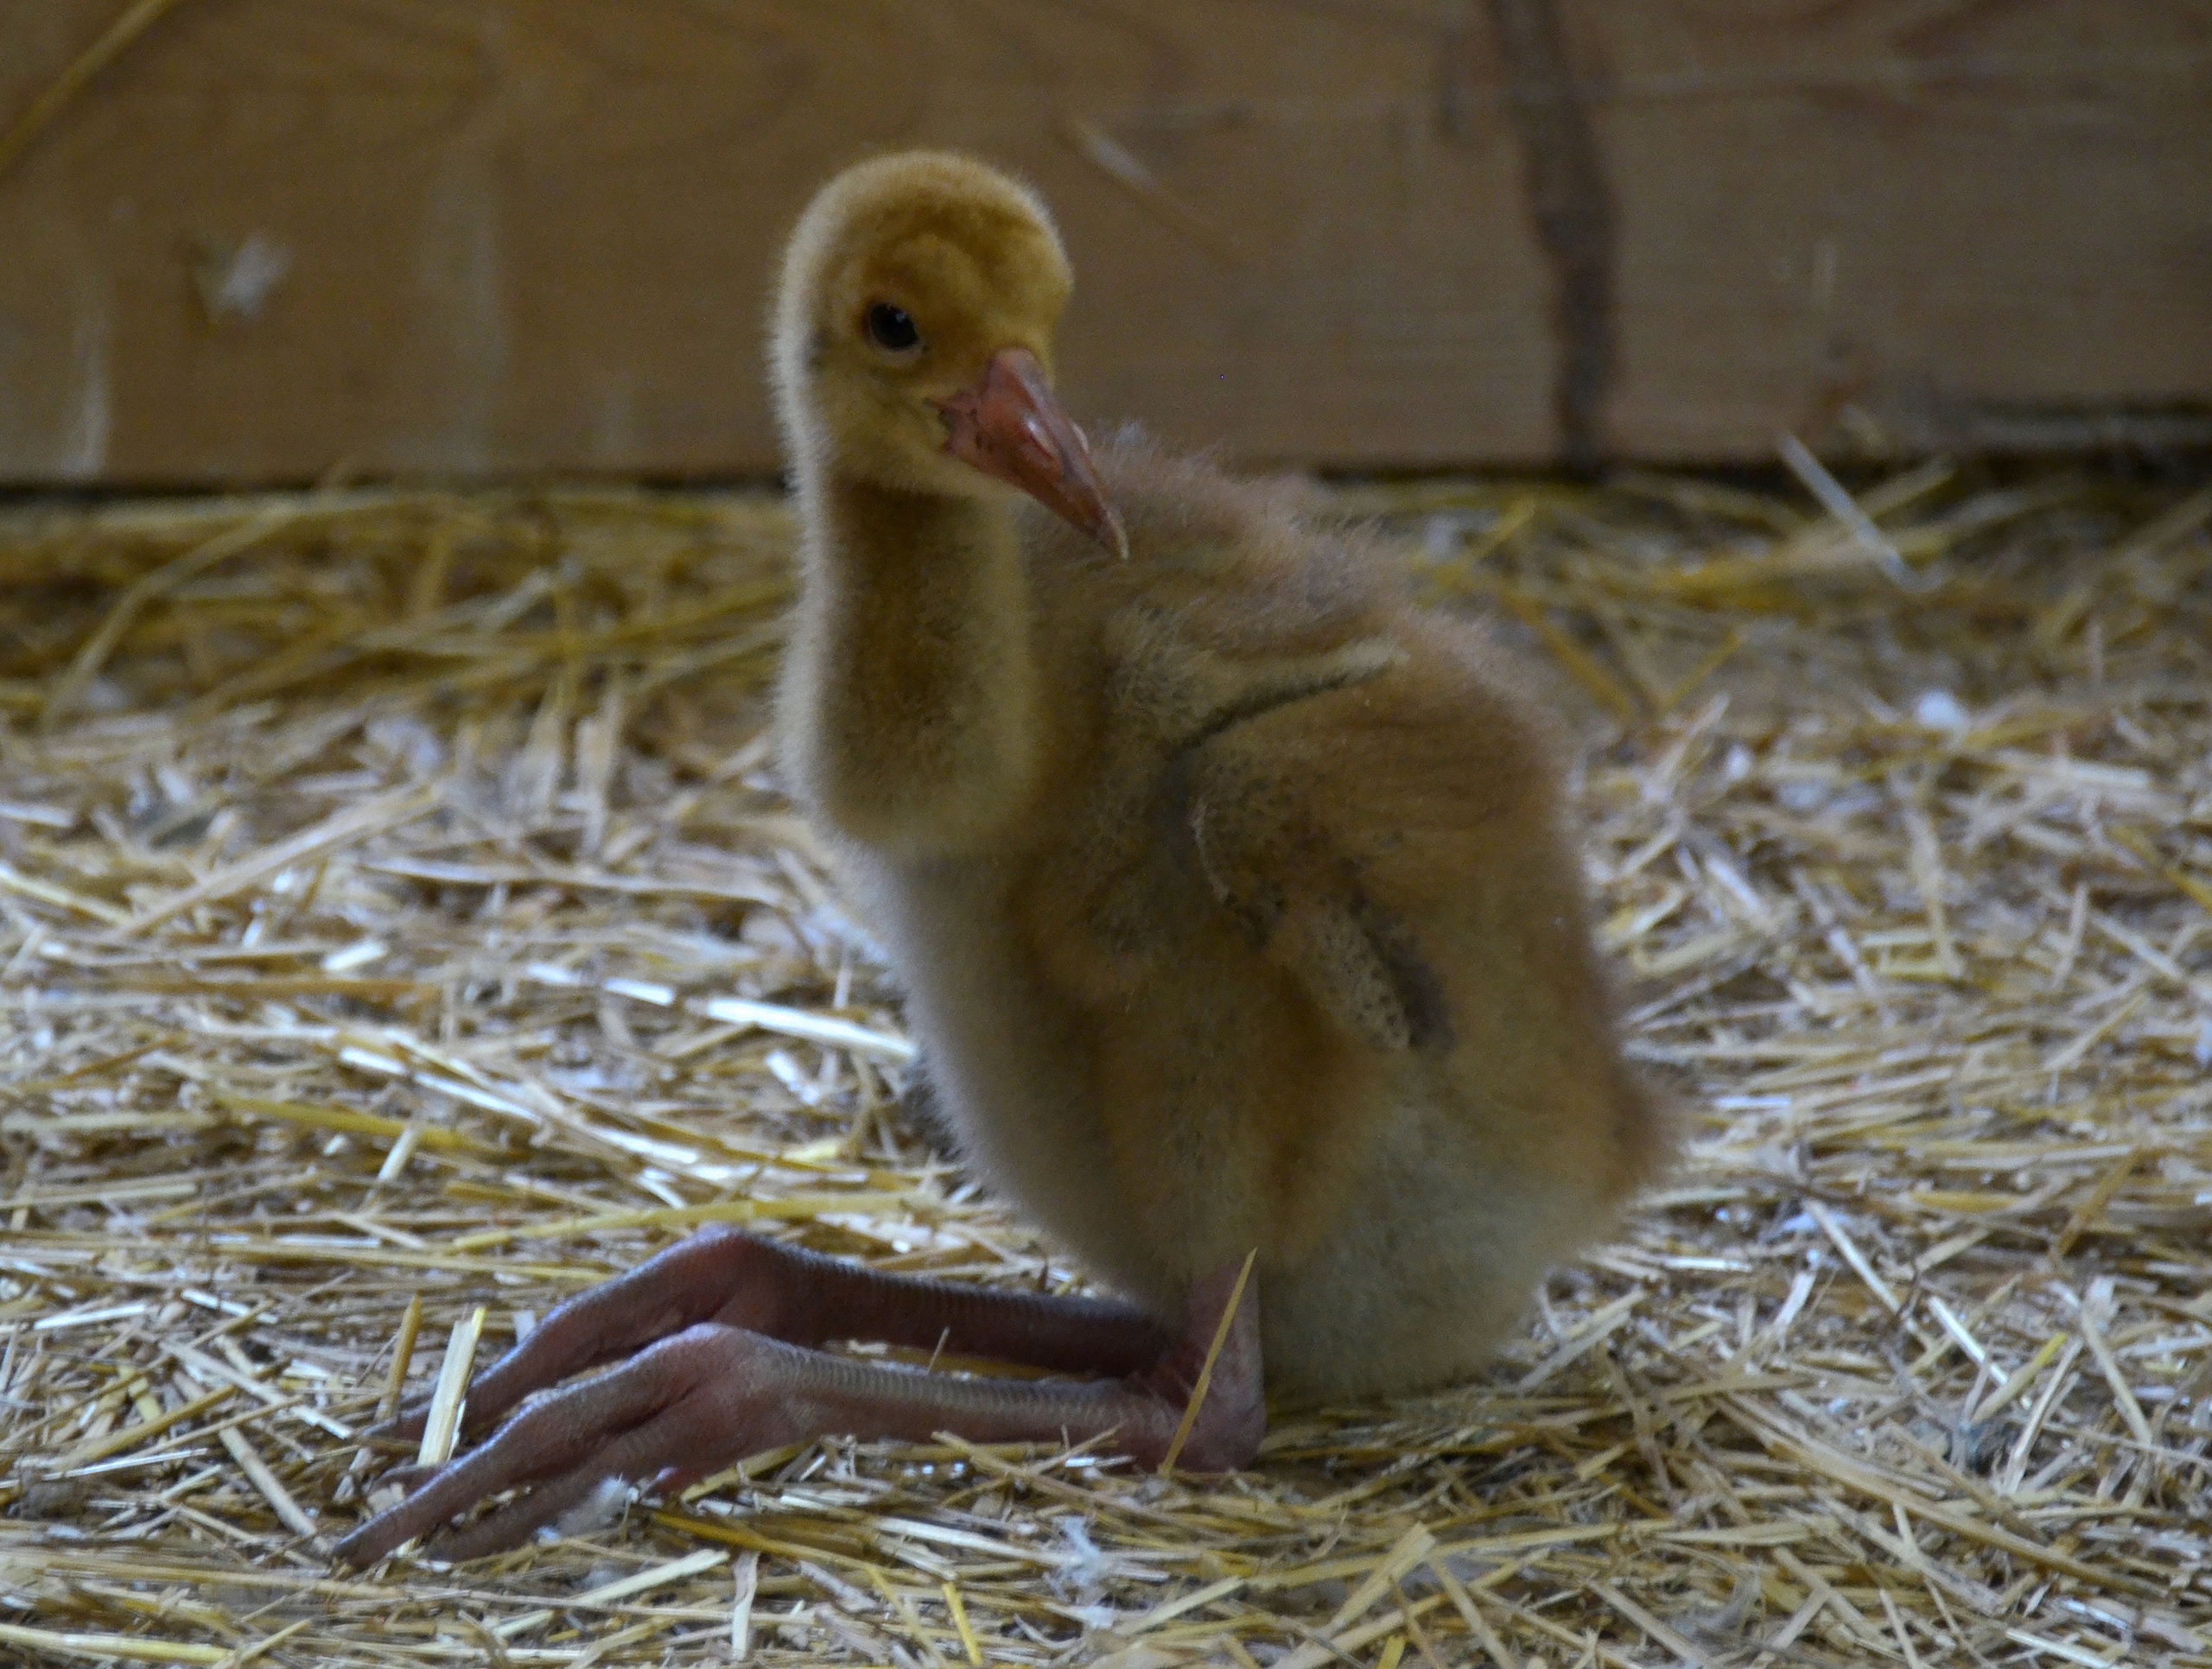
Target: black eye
(892, 328)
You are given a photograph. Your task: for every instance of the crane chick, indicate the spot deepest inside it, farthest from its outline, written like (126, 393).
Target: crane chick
(1230, 892)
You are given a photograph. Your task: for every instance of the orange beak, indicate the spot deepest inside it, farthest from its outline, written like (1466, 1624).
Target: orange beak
(1012, 427)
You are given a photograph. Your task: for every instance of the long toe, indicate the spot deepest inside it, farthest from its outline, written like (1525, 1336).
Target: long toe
(560, 1436)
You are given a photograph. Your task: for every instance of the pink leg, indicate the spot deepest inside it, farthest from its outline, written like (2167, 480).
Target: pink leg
(803, 1298)
(722, 1375)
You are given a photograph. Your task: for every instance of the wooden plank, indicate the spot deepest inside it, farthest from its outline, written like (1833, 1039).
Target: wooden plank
(478, 237)
(1984, 223)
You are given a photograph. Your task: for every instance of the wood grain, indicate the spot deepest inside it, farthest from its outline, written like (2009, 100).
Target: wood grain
(501, 237)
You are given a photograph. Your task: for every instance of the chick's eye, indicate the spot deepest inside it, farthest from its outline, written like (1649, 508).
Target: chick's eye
(892, 328)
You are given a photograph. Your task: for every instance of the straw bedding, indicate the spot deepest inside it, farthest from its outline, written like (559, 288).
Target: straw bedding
(400, 929)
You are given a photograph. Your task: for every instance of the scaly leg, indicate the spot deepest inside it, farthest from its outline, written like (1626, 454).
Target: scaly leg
(720, 1324)
(802, 1298)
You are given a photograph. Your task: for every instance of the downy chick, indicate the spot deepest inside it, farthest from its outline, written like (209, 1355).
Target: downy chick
(1230, 892)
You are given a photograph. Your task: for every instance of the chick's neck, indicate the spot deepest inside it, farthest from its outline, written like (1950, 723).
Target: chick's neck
(910, 702)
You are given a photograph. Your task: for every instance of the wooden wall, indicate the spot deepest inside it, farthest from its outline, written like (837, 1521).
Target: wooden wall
(469, 238)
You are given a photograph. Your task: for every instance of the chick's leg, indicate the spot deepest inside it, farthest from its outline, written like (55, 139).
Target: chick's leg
(712, 1393)
(719, 1275)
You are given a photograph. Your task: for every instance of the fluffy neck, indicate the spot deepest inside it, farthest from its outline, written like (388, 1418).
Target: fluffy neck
(910, 700)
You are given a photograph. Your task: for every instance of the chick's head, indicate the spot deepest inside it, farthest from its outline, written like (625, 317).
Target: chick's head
(913, 338)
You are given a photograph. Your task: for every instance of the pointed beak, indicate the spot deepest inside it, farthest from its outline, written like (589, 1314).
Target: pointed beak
(1012, 427)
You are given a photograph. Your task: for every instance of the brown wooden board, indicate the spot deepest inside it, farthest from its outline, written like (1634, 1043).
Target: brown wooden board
(470, 238)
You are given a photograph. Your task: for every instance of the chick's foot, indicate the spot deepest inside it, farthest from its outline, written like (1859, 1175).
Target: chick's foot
(704, 1393)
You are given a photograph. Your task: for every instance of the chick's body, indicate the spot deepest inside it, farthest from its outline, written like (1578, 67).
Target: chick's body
(1230, 899)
